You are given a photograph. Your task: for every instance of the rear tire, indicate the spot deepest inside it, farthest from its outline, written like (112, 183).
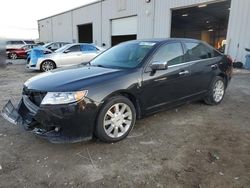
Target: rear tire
(216, 91)
(47, 65)
(115, 120)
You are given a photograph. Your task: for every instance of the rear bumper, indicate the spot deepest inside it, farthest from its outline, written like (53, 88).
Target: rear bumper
(58, 123)
(32, 67)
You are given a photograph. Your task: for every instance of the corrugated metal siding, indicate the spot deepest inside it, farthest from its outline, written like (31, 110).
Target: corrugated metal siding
(45, 30)
(124, 8)
(62, 27)
(85, 15)
(238, 36)
(154, 20)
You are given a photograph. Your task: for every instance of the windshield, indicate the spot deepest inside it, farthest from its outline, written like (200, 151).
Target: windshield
(126, 55)
(46, 45)
(62, 49)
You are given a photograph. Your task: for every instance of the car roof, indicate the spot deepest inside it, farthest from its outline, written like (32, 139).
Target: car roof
(163, 40)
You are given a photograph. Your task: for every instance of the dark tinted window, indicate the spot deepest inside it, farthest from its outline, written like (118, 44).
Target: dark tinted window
(216, 53)
(170, 53)
(15, 42)
(29, 42)
(198, 51)
(88, 48)
(75, 48)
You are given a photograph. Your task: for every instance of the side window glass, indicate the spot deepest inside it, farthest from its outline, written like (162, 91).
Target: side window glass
(16, 42)
(88, 48)
(170, 53)
(61, 44)
(198, 51)
(75, 48)
(55, 46)
(216, 53)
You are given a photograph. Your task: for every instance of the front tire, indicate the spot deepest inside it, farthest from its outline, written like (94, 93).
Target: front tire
(47, 65)
(216, 91)
(13, 56)
(116, 119)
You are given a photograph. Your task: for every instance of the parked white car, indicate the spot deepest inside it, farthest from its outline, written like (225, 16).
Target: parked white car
(15, 44)
(68, 55)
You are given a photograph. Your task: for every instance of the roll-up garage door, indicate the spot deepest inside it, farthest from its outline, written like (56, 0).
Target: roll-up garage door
(123, 29)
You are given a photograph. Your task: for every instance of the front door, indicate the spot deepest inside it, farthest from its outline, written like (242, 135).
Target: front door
(71, 56)
(165, 87)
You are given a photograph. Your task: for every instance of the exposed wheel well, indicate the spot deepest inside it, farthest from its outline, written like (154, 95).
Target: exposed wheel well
(135, 102)
(50, 61)
(224, 77)
(131, 97)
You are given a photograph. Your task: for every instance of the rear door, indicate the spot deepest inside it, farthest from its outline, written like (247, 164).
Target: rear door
(203, 64)
(165, 87)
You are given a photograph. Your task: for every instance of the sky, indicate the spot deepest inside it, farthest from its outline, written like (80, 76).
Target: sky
(18, 18)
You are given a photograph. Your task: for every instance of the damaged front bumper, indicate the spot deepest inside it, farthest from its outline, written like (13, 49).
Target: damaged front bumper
(56, 123)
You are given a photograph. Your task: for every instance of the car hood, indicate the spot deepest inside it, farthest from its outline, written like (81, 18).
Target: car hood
(74, 78)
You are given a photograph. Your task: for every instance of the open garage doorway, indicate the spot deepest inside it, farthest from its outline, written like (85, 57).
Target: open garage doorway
(123, 29)
(118, 39)
(85, 33)
(207, 22)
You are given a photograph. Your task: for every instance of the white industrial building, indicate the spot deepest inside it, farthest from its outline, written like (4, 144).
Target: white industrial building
(108, 22)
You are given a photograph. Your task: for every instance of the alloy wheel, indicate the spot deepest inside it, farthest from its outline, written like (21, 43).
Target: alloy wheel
(13, 56)
(117, 120)
(47, 66)
(218, 91)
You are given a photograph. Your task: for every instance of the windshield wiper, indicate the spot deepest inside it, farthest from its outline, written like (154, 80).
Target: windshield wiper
(85, 63)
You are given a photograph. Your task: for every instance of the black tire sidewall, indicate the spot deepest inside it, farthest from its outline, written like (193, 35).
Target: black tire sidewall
(99, 130)
(210, 98)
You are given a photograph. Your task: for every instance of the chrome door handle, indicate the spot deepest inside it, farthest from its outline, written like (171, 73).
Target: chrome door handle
(183, 72)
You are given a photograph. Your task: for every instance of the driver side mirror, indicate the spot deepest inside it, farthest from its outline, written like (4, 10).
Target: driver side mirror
(158, 65)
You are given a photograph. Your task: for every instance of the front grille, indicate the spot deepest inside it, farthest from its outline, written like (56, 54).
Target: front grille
(34, 96)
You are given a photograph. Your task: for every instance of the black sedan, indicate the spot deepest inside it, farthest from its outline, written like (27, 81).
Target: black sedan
(129, 81)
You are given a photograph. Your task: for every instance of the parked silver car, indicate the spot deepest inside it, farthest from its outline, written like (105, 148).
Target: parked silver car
(70, 54)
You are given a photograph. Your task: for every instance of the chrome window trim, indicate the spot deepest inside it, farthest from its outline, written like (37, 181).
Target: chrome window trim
(190, 62)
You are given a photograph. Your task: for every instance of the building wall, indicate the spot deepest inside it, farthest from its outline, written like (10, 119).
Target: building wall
(238, 36)
(62, 27)
(85, 15)
(154, 20)
(45, 30)
(124, 8)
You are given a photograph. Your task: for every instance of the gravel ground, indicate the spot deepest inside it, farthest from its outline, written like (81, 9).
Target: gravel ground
(195, 145)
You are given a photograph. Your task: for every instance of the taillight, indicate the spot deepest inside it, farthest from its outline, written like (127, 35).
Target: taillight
(230, 59)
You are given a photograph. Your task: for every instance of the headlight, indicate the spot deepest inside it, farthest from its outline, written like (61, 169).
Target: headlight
(63, 97)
